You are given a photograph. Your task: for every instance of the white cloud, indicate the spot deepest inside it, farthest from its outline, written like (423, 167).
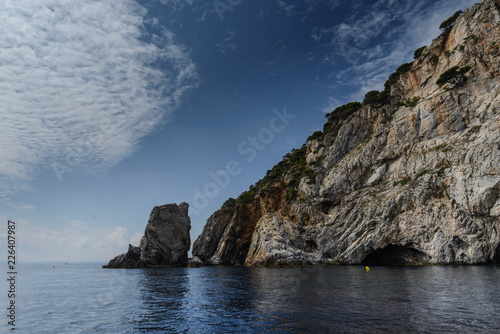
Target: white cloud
(81, 83)
(399, 27)
(311, 4)
(289, 10)
(331, 105)
(285, 9)
(227, 43)
(135, 239)
(177, 4)
(19, 207)
(73, 241)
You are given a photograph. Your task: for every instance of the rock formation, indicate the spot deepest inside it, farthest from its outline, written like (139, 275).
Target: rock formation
(165, 243)
(410, 177)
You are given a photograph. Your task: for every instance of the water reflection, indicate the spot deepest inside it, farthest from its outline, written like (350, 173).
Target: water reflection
(163, 293)
(317, 299)
(456, 298)
(220, 300)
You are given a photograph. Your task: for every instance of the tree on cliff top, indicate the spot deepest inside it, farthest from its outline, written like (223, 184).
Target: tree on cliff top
(447, 24)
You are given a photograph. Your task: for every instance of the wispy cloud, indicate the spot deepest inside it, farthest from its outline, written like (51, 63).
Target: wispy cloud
(18, 207)
(81, 83)
(375, 41)
(311, 4)
(177, 4)
(227, 44)
(285, 9)
(331, 104)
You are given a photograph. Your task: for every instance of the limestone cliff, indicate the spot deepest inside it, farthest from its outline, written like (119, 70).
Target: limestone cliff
(411, 176)
(165, 243)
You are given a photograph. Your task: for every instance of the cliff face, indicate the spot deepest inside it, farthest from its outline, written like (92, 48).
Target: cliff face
(415, 180)
(165, 243)
(228, 233)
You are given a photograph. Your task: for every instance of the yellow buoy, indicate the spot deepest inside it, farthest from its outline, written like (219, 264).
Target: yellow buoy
(367, 268)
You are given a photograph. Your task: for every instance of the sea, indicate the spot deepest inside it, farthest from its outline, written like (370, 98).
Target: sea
(84, 298)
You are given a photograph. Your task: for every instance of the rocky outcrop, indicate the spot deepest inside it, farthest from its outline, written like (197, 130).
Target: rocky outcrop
(228, 233)
(414, 181)
(195, 262)
(130, 259)
(165, 243)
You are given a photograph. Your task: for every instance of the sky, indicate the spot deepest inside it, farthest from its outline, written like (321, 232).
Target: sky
(109, 108)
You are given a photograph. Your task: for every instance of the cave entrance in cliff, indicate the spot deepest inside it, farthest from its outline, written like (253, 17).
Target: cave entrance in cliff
(395, 255)
(496, 256)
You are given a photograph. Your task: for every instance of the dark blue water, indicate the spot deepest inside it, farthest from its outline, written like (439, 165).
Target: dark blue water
(80, 298)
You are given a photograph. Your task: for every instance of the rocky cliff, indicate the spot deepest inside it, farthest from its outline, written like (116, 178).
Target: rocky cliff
(410, 176)
(165, 243)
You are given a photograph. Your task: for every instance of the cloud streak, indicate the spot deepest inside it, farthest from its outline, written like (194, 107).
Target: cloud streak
(399, 27)
(81, 82)
(227, 44)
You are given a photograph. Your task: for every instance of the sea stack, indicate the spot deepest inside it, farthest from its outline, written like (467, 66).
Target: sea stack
(165, 243)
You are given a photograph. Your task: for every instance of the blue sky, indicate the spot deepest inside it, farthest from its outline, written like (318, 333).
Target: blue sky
(109, 108)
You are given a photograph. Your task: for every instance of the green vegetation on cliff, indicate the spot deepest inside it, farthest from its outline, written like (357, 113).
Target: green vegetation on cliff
(447, 24)
(454, 76)
(294, 164)
(418, 52)
(378, 99)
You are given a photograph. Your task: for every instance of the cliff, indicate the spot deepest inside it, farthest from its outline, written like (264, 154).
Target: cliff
(165, 243)
(411, 176)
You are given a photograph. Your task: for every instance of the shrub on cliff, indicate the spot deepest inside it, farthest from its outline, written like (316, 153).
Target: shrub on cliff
(447, 24)
(418, 52)
(455, 76)
(371, 97)
(343, 112)
(246, 197)
(383, 97)
(340, 114)
(315, 135)
(294, 161)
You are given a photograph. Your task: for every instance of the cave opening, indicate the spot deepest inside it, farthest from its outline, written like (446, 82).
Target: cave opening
(395, 255)
(496, 256)
(310, 246)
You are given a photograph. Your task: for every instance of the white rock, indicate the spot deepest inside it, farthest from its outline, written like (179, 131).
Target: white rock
(377, 176)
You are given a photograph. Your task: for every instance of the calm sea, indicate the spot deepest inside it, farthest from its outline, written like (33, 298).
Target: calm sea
(83, 298)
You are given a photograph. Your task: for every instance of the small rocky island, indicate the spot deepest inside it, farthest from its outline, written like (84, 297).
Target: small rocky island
(165, 243)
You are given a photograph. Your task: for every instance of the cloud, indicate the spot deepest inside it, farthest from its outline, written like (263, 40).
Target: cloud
(135, 239)
(19, 207)
(311, 4)
(82, 82)
(285, 9)
(227, 43)
(176, 4)
(73, 241)
(290, 10)
(331, 105)
(375, 41)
